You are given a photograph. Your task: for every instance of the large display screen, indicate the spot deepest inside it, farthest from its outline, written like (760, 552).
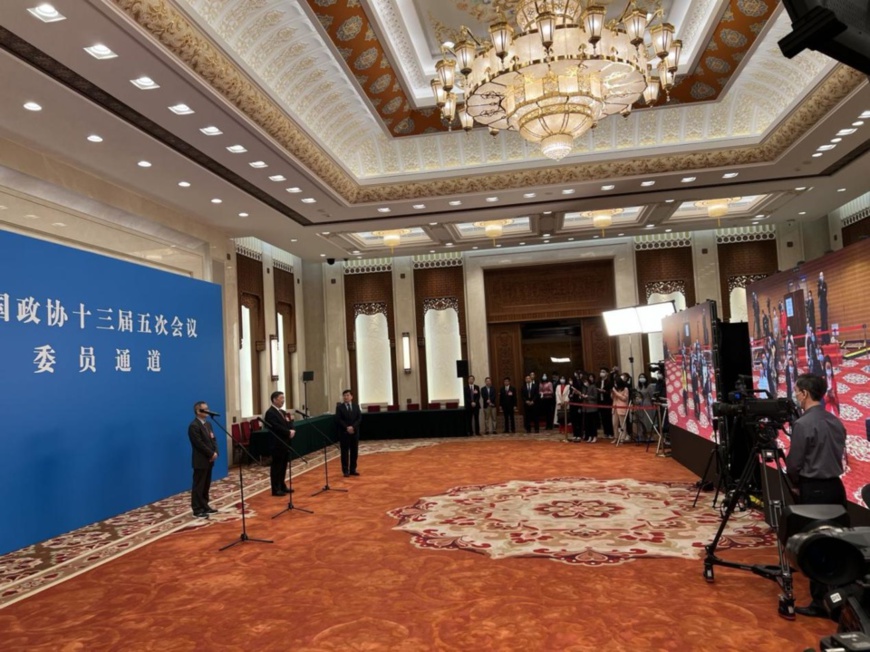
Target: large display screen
(102, 361)
(690, 379)
(815, 320)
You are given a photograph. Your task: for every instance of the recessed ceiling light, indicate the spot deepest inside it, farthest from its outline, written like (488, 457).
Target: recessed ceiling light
(799, 188)
(497, 246)
(647, 184)
(570, 239)
(184, 184)
(522, 244)
(355, 251)
(475, 248)
(431, 251)
(546, 242)
(836, 140)
(547, 213)
(145, 83)
(530, 195)
(46, 13)
(841, 190)
(546, 235)
(95, 139)
(58, 224)
(817, 154)
(433, 223)
(31, 216)
(846, 132)
(609, 186)
(243, 214)
(858, 123)
(309, 200)
(419, 206)
(323, 255)
(568, 191)
(668, 230)
(825, 148)
(760, 216)
(650, 226)
(144, 164)
(864, 115)
(669, 201)
(802, 213)
(32, 106)
(294, 190)
(455, 202)
(448, 244)
(181, 109)
(217, 201)
(492, 199)
(100, 51)
(211, 130)
(383, 210)
(258, 164)
(754, 223)
(236, 149)
(730, 175)
(687, 179)
(277, 177)
(324, 233)
(595, 237)
(294, 239)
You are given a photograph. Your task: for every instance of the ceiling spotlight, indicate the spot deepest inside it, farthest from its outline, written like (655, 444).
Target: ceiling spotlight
(547, 213)
(324, 232)
(802, 213)
(568, 191)
(323, 255)
(668, 230)
(277, 177)
(184, 184)
(258, 164)
(32, 106)
(522, 244)
(836, 140)
(669, 201)
(100, 51)
(760, 216)
(530, 195)
(448, 244)
(546, 242)
(846, 132)
(647, 184)
(181, 109)
(800, 188)
(841, 190)
(355, 251)
(817, 154)
(294, 190)
(95, 139)
(243, 214)
(858, 123)
(754, 223)
(144, 83)
(620, 234)
(609, 186)
(144, 164)
(46, 13)
(294, 239)
(419, 206)
(825, 148)
(730, 175)
(687, 179)
(211, 130)
(217, 201)
(309, 200)
(492, 199)
(236, 149)
(384, 209)
(650, 226)
(455, 202)
(570, 239)
(546, 235)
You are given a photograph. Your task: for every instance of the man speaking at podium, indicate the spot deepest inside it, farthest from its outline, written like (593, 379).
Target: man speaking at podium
(204, 453)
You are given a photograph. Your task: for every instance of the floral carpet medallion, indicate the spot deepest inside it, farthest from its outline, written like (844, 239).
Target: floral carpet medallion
(576, 521)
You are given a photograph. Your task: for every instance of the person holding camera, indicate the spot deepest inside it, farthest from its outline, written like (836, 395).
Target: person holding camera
(815, 463)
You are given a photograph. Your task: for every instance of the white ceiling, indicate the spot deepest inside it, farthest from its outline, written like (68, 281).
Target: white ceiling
(137, 125)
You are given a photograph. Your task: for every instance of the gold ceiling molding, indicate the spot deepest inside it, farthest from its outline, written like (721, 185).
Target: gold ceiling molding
(174, 31)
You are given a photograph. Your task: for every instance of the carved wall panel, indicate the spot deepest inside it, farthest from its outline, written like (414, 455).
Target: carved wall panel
(743, 259)
(599, 349)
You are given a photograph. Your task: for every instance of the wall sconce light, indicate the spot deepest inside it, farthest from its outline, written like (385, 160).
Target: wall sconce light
(274, 357)
(406, 352)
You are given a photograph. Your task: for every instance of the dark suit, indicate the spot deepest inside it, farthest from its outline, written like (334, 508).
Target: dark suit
(488, 402)
(277, 423)
(348, 416)
(530, 406)
(822, 293)
(203, 447)
(507, 399)
(471, 394)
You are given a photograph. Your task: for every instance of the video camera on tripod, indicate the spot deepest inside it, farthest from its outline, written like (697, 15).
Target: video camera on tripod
(764, 417)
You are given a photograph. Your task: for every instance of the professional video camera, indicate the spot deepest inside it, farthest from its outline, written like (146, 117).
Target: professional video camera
(763, 416)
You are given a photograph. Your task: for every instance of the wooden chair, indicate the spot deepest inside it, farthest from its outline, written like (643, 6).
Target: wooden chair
(392, 408)
(373, 408)
(434, 406)
(413, 406)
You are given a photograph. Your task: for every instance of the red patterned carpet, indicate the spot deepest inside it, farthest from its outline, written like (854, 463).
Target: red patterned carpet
(486, 519)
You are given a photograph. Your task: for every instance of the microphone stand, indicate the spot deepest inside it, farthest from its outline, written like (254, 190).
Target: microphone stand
(290, 505)
(329, 443)
(243, 537)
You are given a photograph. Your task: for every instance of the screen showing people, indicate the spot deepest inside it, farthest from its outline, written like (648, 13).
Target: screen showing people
(690, 379)
(814, 320)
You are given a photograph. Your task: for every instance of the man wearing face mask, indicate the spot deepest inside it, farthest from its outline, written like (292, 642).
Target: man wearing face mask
(815, 463)
(643, 418)
(603, 389)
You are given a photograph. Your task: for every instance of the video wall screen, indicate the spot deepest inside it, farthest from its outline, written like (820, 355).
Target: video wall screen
(690, 379)
(814, 320)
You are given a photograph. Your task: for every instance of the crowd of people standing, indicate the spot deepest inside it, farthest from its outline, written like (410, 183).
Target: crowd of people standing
(589, 403)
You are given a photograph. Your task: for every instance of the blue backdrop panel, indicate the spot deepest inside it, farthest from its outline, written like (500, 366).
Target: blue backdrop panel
(102, 361)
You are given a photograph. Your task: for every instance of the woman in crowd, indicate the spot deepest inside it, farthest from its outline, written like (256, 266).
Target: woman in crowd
(831, 400)
(620, 393)
(563, 397)
(644, 416)
(548, 400)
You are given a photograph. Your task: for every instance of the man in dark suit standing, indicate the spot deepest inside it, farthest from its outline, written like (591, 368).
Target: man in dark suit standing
(204, 453)
(347, 419)
(488, 402)
(507, 401)
(823, 308)
(530, 403)
(471, 396)
(280, 423)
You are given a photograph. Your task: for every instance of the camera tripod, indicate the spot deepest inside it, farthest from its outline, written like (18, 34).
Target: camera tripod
(765, 450)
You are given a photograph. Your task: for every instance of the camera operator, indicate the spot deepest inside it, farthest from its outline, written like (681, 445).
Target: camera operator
(815, 463)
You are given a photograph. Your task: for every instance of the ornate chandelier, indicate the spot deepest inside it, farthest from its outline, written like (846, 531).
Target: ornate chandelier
(562, 69)
(717, 208)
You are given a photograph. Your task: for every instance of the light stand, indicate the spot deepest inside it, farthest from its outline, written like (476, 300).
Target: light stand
(243, 537)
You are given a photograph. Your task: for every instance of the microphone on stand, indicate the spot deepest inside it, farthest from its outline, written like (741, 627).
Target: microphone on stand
(210, 413)
(300, 413)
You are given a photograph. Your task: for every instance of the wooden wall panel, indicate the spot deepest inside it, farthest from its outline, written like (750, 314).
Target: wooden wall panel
(673, 264)
(856, 231)
(505, 354)
(558, 291)
(743, 258)
(599, 349)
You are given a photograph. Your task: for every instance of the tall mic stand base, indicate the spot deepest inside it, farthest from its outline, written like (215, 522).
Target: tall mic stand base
(243, 538)
(326, 487)
(292, 507)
